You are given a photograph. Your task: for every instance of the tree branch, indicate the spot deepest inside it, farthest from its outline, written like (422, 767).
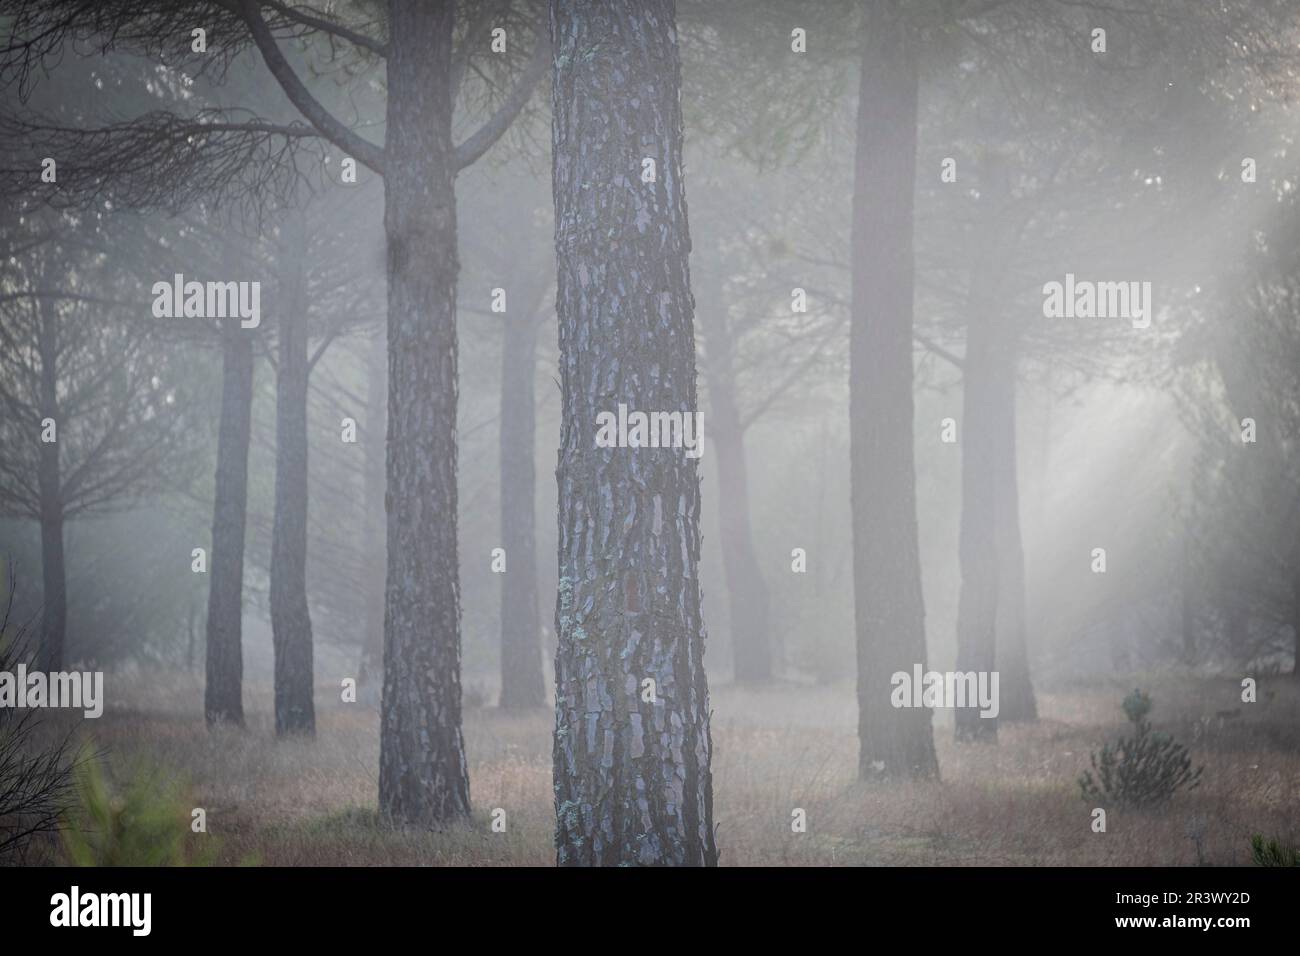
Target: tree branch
(354, 37)
(322, 119)
(469, 152)
(158, 160)
(936, 349)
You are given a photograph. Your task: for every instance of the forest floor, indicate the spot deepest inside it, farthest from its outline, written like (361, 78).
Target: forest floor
(775, 748)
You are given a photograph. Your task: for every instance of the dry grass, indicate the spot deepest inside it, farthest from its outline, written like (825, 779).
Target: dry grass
(312, 802)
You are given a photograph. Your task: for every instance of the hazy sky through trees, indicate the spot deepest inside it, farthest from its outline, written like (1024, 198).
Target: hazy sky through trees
(564, 402)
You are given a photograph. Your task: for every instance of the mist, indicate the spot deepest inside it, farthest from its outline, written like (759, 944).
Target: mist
(646, 433)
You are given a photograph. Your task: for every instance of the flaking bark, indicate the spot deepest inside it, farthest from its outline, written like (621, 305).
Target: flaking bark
(422, 770)
(632, 777)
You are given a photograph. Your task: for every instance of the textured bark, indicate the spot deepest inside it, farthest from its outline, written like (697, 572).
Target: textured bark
(375, 533)
(54, 593)
(290, 617)
(222, 696)
(747, 598)
(422, 772)
(522, 682)
(889, 606)
(632, 776)
(988, 390)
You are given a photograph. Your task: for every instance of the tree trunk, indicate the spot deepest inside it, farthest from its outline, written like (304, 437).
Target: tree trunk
(222, 696)
(54, 594)
(290, 617)
(977, 545)
(1016, 688)
(746, 590)
(1295, 627)
(632, 758)
(191, 636)
(522, 684)
(375, 533)
(1236, 622)
(988, 391)
(747, 596)
(54, 613)
(889, 606)
(1187, 607)
(422, 774)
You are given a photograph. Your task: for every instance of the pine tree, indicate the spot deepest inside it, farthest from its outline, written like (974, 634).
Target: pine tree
(632, 748)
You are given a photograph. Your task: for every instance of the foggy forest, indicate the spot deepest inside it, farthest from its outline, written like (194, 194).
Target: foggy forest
(633, 432)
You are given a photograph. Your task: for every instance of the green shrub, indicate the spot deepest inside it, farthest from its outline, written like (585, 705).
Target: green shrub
(144, 823)
(1272, 853)
(1140, 770)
